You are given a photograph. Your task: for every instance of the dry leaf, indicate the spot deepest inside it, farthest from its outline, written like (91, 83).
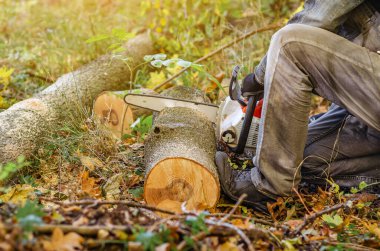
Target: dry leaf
(240, 223)
(89, 186)
(228, 246)
(60, 242)
(18, 194)
(90, 162)
(112, 187)
(294, 224)
(81, 221)
(373, 229)
(163, 247)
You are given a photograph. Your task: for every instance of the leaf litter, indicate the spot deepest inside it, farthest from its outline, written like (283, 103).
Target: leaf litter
(95, 203)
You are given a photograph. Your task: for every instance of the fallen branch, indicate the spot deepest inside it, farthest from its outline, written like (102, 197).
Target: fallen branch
(214, 224)
(352, 246)
(24, 126)
(82, 230)
(95, 203)
(242, 217)
(227, 216)
(310, 219)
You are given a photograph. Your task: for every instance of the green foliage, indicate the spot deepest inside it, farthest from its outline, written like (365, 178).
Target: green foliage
(9, 168)
(140, 127)
(136, 192)
(197, 224)
(159, 60)
(150, 240)
(338, 247)
(117, 36)
(362, 185)
(29, 215)
(332, 221)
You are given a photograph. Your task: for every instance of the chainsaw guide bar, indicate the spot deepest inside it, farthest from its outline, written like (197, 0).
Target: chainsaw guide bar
(158, 103)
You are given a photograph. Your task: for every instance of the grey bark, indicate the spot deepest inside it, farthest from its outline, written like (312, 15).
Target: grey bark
(23, 126)
(180, 132)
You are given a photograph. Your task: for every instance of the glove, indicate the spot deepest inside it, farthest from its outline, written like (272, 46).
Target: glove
(251, 87)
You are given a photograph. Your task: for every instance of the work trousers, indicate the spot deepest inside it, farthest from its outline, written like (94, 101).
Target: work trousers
(343, 145)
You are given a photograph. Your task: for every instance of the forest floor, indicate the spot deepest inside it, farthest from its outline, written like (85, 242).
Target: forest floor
(82, 190)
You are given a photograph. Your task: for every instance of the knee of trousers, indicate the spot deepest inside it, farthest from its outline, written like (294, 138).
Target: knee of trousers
(291, 33)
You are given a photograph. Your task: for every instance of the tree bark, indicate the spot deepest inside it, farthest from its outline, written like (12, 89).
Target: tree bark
(24, 125)
(179, 157)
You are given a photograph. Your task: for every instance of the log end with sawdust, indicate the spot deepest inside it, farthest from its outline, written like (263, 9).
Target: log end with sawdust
(179, 157)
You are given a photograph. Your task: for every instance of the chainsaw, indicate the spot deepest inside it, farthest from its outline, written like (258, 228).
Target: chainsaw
(236, 118)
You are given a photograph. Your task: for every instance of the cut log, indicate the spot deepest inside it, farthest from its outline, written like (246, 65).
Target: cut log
(110, 108)
(25, 125)
(179, 157)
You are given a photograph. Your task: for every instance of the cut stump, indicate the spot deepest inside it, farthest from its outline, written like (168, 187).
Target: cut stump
(179, 157)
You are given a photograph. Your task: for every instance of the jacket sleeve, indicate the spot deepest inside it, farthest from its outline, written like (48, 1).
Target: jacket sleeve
(328, 15)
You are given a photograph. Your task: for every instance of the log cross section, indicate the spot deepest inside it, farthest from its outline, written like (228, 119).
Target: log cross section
(179, 157)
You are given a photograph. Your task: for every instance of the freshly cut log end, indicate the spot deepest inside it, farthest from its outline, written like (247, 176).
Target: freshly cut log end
(110, 108)
(176, 180)
(179, 157)
(114, 113)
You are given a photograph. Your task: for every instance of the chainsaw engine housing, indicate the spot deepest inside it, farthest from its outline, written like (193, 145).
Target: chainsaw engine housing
(230, 122)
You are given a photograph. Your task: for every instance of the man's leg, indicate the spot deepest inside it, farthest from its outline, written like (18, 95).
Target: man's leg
(341, 147)
(302, 59)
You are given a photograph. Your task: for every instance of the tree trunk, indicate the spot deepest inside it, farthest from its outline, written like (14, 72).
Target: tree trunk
(24, 125)
(179, 157)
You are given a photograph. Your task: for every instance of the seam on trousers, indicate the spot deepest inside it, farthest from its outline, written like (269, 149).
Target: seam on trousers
(327, 49)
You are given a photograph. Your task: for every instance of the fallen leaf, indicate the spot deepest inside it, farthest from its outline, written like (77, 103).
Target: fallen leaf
(19, 194)
(240, 223)
(80, 221)
(163, 247)
(60, 242)
(373, 229)
(293, 224)
(89, 186)
(90, 162)
(228, 246)
(112, 187)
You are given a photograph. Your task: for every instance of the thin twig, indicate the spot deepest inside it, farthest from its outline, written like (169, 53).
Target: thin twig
(244, 36)
(260, 221)
(82, 230)
(301, 199)
(95, 203)
(313, 217)
(237, 204)
(213, 224)
(242, 235)
(352, 246)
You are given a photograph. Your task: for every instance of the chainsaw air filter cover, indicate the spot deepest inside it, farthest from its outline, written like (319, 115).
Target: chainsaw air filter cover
(230, 122)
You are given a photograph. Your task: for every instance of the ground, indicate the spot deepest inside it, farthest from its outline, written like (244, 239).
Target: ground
(82, 190)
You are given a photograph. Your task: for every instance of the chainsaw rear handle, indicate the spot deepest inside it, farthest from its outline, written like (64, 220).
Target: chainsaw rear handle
(252, 101)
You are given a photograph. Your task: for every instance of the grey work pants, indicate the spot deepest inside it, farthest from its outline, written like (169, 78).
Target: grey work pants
(301, 60)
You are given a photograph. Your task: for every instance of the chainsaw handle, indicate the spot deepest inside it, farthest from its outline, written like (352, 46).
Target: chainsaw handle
(234, 89)
(243, 137)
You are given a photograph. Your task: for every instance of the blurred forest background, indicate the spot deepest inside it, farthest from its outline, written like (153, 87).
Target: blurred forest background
(42, 39)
